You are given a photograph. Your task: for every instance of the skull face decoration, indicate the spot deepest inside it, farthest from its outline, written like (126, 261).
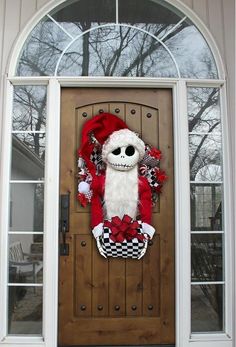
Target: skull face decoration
(123, 158)
(123, 150)
(109, 167)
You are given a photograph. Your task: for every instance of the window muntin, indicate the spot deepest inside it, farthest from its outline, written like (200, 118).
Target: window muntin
(117, 51)
(207, 217)
(42, 49)
(26, 217)
(191, 52)
(66, 38)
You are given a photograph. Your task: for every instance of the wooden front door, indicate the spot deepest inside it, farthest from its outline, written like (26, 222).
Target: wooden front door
(117, 301)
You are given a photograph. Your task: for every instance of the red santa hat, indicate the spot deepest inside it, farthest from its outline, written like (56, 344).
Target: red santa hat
(110, 132)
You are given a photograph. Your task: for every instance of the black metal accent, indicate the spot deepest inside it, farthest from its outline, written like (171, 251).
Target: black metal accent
(100, 307)
(64, 222)
(134, 307)
(83, 243)
(133, 111)
(117, 110)
(101, 110)
(84, 114)
(150, 307)
(117, 307)
(150, 243)
(64, 249)
(83, 307)
(149, 115)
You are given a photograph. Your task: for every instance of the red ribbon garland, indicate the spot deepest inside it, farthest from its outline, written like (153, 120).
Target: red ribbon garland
(123, 229)
(82, 199)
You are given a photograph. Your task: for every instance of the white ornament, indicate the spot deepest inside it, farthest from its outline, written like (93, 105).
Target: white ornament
(84, 187)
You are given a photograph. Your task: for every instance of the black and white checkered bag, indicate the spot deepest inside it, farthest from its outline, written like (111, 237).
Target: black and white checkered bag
(127, 249)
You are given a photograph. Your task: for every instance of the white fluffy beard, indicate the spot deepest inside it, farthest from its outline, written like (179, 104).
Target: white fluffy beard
(121, 193)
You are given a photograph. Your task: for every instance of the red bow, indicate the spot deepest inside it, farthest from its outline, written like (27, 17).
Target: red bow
(155, 153)
(122, 229)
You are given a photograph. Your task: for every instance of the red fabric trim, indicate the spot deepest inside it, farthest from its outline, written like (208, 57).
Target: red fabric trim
(145, 200)
(98, 188)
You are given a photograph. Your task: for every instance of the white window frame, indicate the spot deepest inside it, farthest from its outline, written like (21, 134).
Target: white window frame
(182, 190)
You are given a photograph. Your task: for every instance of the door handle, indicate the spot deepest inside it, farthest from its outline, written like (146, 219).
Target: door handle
(64, 222)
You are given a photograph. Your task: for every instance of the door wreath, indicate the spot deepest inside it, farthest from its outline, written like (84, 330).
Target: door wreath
(120, 176)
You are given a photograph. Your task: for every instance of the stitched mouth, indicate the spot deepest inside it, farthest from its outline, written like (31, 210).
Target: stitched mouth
(121, 165)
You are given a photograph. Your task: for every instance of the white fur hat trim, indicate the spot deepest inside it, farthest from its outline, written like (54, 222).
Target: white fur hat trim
(120, 138)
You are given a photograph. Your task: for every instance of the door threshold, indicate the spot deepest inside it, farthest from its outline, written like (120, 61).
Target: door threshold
(120, 346)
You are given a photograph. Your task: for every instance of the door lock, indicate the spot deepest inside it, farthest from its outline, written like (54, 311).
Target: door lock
(64, 222)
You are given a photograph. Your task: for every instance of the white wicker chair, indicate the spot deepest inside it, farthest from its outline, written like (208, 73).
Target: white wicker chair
(24, 263)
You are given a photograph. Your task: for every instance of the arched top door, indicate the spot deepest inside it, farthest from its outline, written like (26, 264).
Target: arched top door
(128, 38)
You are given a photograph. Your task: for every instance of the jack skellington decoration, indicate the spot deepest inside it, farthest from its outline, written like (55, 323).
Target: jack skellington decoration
(120, 176)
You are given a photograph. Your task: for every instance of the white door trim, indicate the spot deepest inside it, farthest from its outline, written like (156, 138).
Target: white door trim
(182, 208)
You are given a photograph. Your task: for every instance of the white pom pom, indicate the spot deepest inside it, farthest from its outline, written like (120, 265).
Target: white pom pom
(84, 187)
(80, 163)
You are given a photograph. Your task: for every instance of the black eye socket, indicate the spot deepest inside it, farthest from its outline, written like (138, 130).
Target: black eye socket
(116, 151)
(130, 151)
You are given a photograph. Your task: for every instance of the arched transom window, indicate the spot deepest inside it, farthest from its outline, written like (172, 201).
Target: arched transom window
(116, 38)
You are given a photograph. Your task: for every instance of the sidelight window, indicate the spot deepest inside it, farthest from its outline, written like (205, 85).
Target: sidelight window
(207, 212)
(26, 224)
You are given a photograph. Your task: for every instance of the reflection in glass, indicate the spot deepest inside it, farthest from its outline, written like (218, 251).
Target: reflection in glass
(156, 18)
(28, 153)
(27, 202)
(48, 40)
(191, 52)
(25, 310)
(29, 108)
(34, 142)
(204, 110)
(42, 49)
(207, 308)
(205, 156)
(206, 257)
(26, 258)
(117, 51)
(206, 207)
(78, 16)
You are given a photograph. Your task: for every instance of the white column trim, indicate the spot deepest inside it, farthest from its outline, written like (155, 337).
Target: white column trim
(228, 217)
(4, 207)
(51, 213)
(182, 216)
(125, 82)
